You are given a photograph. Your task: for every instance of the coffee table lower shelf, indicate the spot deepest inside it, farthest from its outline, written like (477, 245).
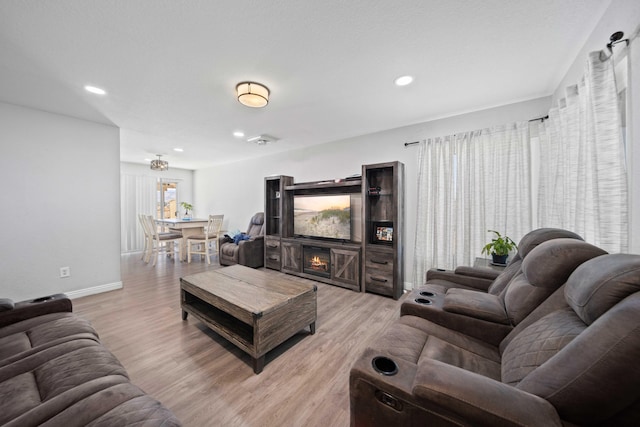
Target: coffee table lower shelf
(266, 331)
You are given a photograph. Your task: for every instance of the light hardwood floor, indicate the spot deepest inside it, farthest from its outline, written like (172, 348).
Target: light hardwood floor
(205, 380)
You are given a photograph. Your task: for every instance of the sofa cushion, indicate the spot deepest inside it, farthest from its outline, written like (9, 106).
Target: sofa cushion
(551, 263)
(109, 401)
(527, 244)
(538, 343)
(430, 329)
(465, 358)
(406, 343)
(545, 269)
(597, 286)
(30, 382)
(532, 239)
(505, 277)
(595, 377)
(26, 337)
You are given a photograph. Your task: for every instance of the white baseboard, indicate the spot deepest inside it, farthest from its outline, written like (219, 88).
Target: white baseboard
(94, 290)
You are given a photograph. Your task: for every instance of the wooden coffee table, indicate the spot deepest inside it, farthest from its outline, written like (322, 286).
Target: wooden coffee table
(253, 309)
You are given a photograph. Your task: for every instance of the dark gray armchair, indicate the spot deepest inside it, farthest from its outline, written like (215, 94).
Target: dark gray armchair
(247, 252)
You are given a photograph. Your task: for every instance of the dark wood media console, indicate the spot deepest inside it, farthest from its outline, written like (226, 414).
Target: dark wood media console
(372, 260)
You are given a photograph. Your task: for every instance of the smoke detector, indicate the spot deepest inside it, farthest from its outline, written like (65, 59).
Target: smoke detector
(262, 139)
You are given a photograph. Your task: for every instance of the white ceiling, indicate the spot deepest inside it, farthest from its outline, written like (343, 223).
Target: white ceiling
(170, 66)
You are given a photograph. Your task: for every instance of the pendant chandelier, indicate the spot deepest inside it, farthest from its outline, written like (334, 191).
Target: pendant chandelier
(159, 165)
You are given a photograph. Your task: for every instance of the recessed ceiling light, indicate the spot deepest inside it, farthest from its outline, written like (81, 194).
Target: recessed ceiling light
(238, 134)
(96, 90)
(179, 150)
(403, 80)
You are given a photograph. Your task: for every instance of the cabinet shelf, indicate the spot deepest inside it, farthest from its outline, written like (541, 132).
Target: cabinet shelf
(324, 184)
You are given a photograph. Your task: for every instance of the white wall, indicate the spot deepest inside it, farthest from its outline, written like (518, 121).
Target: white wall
(622, 15)
(236, 189)
(61, 204)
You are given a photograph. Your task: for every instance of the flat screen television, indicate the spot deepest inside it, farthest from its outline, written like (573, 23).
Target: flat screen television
(323, 216)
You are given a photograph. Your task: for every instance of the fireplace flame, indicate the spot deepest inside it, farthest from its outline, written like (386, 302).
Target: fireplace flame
(317, 263)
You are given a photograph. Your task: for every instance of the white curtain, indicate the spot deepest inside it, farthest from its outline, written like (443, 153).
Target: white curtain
(469, 183)
(137, 195)
(583, 181)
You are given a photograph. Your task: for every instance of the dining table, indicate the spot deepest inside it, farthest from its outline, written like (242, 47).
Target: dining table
(186, 227)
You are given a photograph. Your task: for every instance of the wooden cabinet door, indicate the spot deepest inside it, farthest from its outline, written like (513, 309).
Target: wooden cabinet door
(291, 257)
(345, 267)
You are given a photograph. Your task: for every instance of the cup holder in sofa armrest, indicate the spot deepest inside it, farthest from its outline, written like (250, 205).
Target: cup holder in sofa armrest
(384, 365)
(427, 294)
(423, 301)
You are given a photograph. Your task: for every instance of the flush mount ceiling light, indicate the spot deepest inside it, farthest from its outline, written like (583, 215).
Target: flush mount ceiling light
(403, 80)
(159, 165)
(95, 90)
(252, 94)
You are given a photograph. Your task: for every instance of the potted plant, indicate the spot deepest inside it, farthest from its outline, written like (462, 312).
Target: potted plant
(187, 207)
(499, 248)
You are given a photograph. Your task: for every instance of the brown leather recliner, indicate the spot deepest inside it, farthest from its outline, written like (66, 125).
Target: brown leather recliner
(490, 317)
(572, 361)
(488, 280)
(247, 252)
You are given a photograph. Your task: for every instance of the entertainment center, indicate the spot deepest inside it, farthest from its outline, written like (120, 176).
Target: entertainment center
(345, 232)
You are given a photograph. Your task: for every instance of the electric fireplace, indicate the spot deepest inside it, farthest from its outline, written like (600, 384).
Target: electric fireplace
(317, 261)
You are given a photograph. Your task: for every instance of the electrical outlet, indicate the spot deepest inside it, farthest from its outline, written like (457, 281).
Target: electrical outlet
(65, 271)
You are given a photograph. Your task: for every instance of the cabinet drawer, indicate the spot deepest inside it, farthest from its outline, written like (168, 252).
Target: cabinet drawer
(272, 261)
(379, 281)
(271, 244)
(382, 261)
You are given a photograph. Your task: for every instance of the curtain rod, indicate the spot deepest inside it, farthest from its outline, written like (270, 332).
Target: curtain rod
(614, 39)
(540, 118)
(406, 144)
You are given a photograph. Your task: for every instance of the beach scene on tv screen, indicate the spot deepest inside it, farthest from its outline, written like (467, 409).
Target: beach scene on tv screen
(323, 216)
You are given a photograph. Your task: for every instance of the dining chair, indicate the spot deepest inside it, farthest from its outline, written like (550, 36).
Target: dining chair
(203, 241)
(162, 242)
(148, 237)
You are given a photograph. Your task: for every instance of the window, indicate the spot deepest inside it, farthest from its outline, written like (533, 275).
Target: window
(167, 200)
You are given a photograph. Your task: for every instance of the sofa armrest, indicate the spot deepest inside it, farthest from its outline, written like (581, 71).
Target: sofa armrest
(480, 305)
(251, 252)
(479, 283)
(478, 400)
(37, 307)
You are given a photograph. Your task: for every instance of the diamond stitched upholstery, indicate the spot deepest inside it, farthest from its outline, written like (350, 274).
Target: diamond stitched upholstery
(538, 343)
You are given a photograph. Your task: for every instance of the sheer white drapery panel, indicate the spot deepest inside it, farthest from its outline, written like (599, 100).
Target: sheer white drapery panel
(469, 183)
(583, 181)
(137, 196)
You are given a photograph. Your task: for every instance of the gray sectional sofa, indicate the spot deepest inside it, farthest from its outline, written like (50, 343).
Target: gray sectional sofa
(55, 372)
